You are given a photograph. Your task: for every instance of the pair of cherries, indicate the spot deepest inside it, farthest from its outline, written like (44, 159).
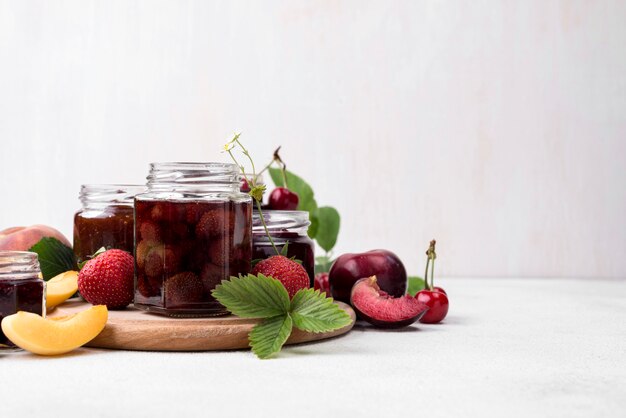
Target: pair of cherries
(432, 296)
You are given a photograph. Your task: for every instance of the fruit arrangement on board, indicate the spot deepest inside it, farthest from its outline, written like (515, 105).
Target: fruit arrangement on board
(277, 290)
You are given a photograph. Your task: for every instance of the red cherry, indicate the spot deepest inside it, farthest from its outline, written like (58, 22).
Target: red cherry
(321, 283)
(440, 290)
(437, 303)
(244, 187)
(283, 199)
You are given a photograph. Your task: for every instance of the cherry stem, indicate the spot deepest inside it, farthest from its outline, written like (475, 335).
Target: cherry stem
(431, 255)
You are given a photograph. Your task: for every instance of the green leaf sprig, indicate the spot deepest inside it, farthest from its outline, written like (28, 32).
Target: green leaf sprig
(325, 220)
(266, 298)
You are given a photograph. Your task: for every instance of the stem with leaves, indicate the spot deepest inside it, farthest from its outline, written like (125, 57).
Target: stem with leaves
(256, 191)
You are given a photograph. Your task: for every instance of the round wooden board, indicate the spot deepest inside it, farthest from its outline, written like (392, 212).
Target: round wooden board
(132, 329)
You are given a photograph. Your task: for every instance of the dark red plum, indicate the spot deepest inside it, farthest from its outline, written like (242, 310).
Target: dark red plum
(382, 310)
(385, 265)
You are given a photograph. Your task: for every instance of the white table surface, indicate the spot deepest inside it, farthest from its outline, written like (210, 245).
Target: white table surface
(509, 347)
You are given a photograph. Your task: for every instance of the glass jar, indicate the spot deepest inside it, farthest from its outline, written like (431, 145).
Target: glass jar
(193, 229)
(106, 218)
(21, 288)
(285, 226)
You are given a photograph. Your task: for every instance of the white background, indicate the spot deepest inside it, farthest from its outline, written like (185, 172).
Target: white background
(497, 127)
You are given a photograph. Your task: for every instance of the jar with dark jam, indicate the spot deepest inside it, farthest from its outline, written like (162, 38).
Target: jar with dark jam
(21, 288)
(106, 218)
(193, 229)
(285, 226)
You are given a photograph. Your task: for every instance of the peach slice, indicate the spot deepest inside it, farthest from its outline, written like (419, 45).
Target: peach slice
(60, 288)
(49, 337)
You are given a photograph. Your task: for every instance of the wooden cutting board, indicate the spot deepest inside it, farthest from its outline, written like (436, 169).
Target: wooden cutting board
(132, 329)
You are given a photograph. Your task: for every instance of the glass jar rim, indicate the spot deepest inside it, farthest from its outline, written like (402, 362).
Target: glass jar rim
(18, 264)
(193, 177)
(102, 195)
(281, 220)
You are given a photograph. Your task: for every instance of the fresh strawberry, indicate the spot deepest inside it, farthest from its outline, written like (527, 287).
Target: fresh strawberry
(291, 274)
(321, 283)
(108, 279)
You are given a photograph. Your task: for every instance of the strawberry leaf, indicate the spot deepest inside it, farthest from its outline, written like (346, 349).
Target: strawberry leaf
(268, 337)
(312, 311)
(253, 296)
(54, 257)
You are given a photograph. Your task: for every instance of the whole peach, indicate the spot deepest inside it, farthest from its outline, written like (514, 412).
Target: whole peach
(22, 238)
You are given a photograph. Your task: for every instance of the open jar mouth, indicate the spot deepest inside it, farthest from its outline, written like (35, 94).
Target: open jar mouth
(93, 195)
(193, 177)
(281, 220)
(18, 264)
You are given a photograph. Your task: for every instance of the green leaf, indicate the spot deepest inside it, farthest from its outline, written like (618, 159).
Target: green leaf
(54, 257)
(306, 198)
(312, 311)
(328, 228)
(285, 249)
(91, 257)
(268, 337)
(415, 285)
(253, 296)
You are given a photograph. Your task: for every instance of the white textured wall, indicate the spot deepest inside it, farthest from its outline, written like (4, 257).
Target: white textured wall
(497, 127)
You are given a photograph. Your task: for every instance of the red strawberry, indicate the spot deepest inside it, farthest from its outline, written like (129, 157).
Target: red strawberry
(291, 274)
(108, 279)
(321, 283)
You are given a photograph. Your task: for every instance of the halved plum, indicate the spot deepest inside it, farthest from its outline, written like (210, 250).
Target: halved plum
(382, 310)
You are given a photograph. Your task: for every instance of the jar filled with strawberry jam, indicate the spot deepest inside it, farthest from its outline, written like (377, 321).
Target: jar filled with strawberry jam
(193, 229)
(286, 227)
(105, 219)
(21, 288)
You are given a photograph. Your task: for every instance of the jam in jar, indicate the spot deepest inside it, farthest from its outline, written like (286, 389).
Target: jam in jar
(193, 229)
(285, 226)
(106, 218)
(21, 288)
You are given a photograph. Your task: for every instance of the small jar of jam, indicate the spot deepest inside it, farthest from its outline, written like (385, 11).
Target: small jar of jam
(193, 229)
(21, 288)
(285, 226)
(106, 218)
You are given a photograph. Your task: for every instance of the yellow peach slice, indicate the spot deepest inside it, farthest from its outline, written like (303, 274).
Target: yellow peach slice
(49, 337)
(60, 288)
